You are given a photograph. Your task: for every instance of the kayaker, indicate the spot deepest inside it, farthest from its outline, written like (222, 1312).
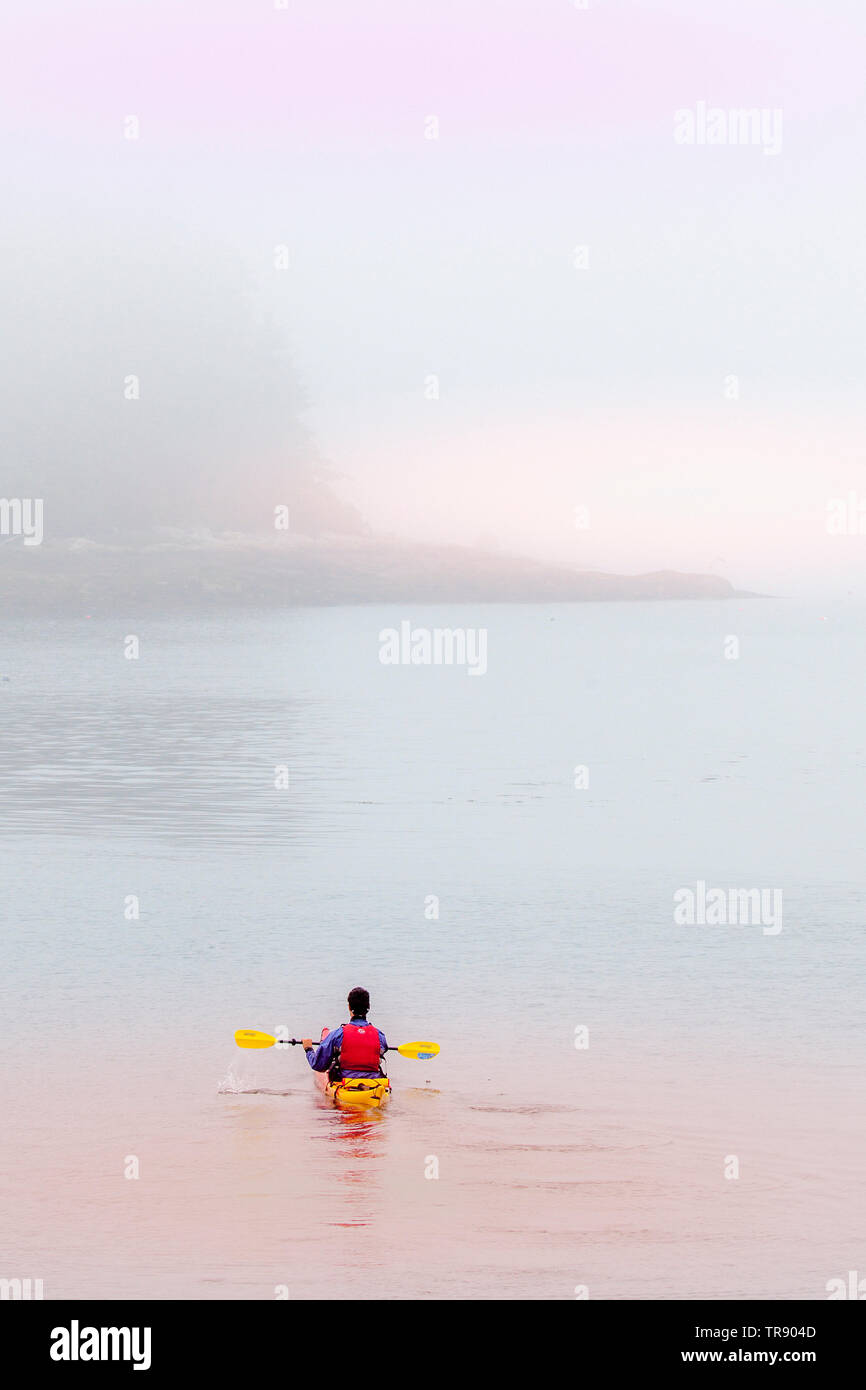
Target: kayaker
(355, 1048)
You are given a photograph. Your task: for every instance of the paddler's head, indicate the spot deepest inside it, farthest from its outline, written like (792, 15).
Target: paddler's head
(359, 1002)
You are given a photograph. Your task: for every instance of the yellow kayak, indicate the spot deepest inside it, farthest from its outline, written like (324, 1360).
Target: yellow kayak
(354, 1092)
(357, 1092)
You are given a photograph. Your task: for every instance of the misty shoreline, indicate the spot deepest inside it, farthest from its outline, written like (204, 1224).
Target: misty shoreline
(202, 572)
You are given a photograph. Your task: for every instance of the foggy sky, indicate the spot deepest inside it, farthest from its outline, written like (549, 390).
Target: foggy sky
(605, 387)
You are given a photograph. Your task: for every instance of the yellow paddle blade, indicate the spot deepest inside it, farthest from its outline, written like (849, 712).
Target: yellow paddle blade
(420, 1051)
(248, 1037)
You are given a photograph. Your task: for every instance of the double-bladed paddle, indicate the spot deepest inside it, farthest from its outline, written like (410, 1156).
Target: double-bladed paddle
(249, 1037)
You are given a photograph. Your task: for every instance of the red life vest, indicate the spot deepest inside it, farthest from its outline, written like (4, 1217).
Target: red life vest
(360, 1049)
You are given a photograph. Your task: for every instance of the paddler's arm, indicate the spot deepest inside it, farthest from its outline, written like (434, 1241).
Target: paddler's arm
(321, 1057)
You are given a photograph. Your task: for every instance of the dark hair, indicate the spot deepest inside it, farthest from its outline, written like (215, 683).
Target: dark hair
(359, 1002)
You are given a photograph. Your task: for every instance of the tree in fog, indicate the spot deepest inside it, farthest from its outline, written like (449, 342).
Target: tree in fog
(216, 439)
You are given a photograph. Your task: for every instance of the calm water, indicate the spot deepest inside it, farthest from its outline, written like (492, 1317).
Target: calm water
(259, 907)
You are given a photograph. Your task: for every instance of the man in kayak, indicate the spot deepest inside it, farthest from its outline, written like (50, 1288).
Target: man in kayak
(355, 1048)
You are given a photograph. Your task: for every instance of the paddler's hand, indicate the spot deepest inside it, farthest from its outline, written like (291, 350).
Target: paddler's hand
(306, 1044)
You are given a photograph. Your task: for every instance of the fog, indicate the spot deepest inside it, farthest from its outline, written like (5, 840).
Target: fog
(444, 273)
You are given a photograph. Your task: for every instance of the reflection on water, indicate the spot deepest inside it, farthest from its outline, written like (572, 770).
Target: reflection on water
(357, 1127)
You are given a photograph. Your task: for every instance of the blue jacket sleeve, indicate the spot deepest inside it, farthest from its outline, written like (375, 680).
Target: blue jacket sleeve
(321, 1057)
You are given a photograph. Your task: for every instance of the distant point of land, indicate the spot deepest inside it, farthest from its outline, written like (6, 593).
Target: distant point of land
(206, 572)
